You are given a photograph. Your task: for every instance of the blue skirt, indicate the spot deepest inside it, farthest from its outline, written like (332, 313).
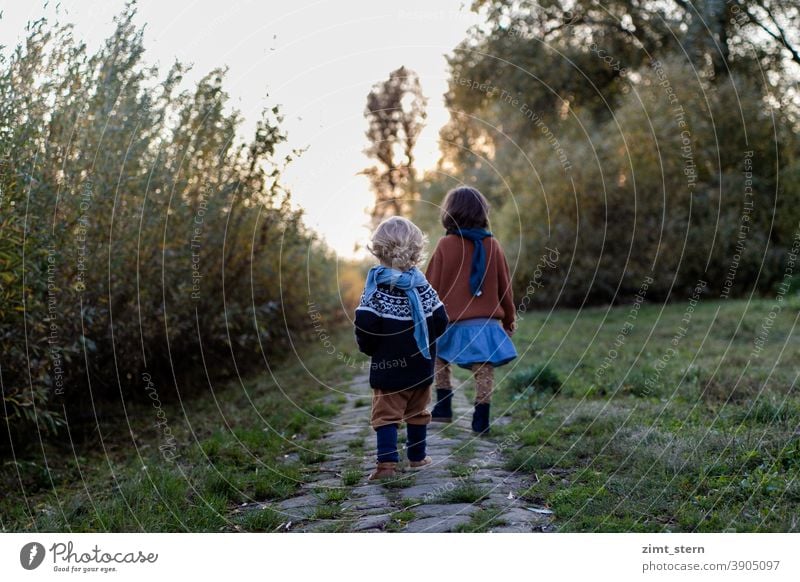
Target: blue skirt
(475, 341)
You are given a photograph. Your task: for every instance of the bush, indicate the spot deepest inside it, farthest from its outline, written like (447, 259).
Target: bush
(143, 246)
(532, 384)
(540, 377)
(791, 287)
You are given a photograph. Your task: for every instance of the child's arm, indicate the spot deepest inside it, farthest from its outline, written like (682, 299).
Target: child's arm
(439, 321)
(368, 330)
(434, 271)
(506, 293)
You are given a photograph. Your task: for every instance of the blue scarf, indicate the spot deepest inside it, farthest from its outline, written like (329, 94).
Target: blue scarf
(407, 281)
(478, 271)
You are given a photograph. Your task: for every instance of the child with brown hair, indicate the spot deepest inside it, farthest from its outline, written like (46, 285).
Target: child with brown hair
(470, 272)
(397, 322)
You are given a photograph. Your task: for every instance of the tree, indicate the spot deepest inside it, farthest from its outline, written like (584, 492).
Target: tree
(625, 133)
(396, 115)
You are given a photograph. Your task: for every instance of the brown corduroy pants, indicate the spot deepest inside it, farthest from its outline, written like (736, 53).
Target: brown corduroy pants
(409, 406)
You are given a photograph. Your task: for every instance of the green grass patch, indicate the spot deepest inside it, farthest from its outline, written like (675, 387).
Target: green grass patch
(482, 520)
(464, 452)
(326, 511)
(334, 495)
(399, 520)
(460, 470)
(356, 446)
(351, 477)
(244, 443)
(463, 493)
(311, 456)
(666, 435)
(399, 481)
(260, 520)
(451, 431)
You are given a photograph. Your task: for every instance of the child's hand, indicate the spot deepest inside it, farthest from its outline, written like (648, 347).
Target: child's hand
(512, 329)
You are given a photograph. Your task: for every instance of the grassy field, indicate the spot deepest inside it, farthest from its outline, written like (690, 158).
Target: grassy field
(667, 419)
(239, 443)
(682, 418)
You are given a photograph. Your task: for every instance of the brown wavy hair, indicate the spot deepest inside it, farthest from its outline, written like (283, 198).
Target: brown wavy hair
(465, 207)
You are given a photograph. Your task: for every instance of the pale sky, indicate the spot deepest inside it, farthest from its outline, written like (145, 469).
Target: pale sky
(317, 59)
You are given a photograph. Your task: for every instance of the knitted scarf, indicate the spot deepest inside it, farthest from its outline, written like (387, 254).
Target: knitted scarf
(407, 281)
(478, 271)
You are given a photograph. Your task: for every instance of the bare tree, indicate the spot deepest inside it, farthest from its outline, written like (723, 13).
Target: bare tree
(396, 115)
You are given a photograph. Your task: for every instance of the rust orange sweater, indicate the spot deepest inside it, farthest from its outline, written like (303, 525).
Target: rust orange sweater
(448, 272)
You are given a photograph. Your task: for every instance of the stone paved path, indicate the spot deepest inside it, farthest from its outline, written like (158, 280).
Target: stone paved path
(466, 488)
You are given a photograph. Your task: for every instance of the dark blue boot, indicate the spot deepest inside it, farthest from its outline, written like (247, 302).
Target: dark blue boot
(443, 410)
(480, 419)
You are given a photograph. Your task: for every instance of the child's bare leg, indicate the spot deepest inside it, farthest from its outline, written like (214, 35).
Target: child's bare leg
(443, 410)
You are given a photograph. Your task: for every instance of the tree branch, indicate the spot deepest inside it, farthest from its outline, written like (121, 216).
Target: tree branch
(780, 36)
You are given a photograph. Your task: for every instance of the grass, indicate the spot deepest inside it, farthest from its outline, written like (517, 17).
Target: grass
(460, 471)
(482, 520)
(399, 520)
(451, 431)
(242, 443)
(311, 456)
(463, 493)
(707, 439)
(464, 452)
(338, 525)
(404, 515)
(260, 520)
(702, 439)
(356, 446)
(351, 477)
(399, 481)
(326, 512)
(336, 495)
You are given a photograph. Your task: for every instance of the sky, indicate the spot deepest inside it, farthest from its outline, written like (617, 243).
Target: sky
(318, 59)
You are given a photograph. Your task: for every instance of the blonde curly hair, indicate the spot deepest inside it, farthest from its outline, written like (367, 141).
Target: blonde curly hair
(398, 243)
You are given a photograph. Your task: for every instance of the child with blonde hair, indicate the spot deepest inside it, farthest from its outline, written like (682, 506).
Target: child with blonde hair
(397, 322)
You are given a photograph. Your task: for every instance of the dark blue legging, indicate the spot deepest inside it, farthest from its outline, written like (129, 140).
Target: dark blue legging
(387, 442)
(415, 443)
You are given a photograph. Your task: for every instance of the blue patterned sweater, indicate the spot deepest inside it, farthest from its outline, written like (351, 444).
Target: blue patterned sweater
(385, 331)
